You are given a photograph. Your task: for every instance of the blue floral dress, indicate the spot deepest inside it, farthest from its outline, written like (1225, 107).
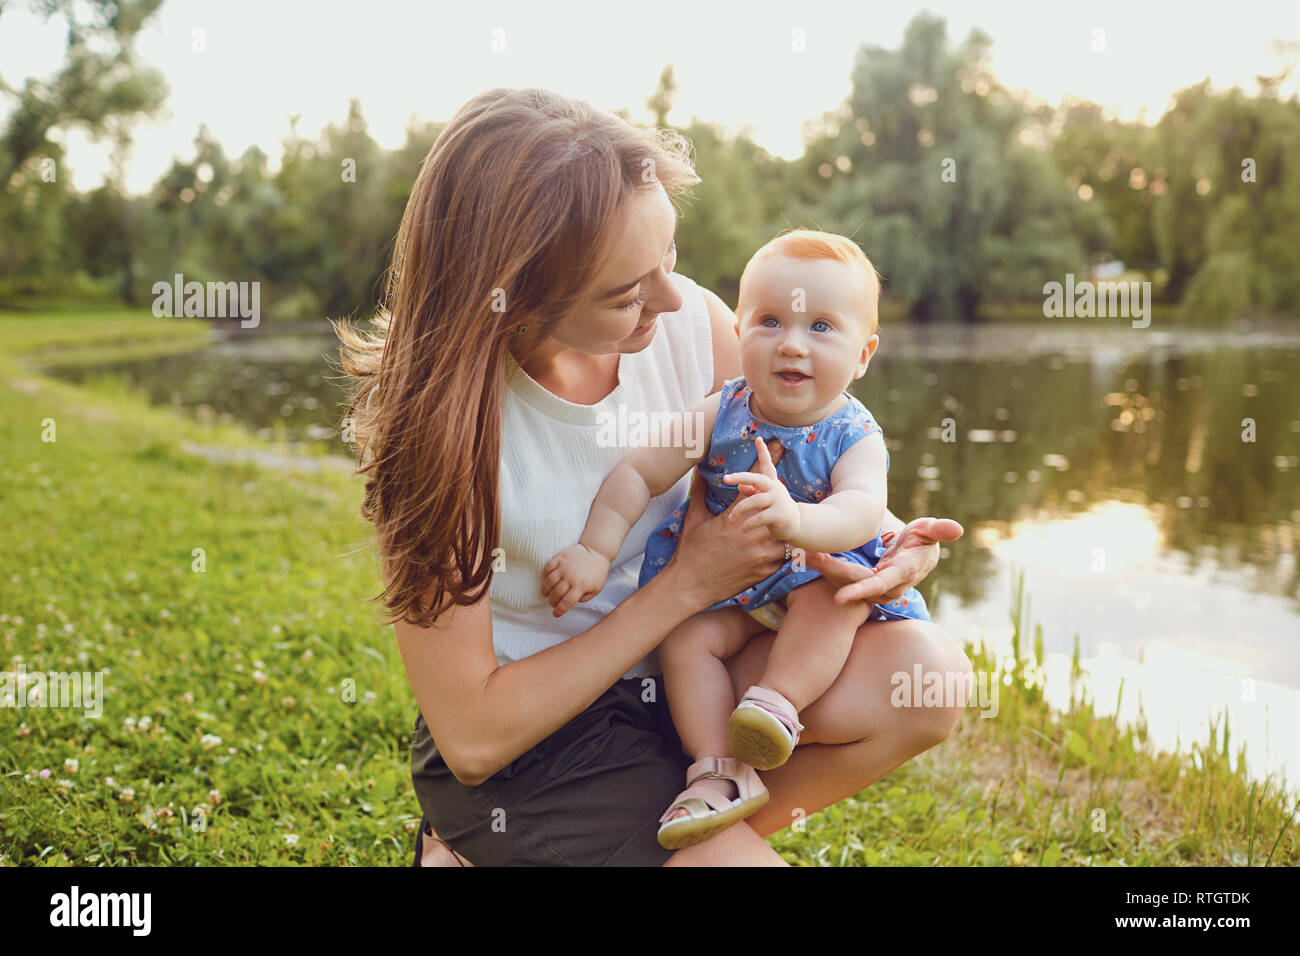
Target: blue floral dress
(809, 454)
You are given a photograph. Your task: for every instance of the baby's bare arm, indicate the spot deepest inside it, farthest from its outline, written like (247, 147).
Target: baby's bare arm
(647, 472)
(852, 515)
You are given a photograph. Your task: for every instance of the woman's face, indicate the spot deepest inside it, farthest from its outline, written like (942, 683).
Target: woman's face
(621, 313)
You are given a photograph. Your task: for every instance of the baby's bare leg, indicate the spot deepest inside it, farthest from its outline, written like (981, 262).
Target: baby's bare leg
(814, 642)
(700, 695)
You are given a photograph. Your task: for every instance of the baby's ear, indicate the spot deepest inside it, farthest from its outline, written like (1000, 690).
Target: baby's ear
(868, 351)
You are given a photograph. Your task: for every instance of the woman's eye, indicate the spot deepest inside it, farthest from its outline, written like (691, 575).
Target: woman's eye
(824, 326)
(629, 306)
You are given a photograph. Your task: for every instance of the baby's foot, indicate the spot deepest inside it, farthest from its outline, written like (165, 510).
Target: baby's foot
(723, 785)
(764, 728)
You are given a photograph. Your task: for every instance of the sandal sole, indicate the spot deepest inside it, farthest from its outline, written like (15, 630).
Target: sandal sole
(688, 831)
(758, 739)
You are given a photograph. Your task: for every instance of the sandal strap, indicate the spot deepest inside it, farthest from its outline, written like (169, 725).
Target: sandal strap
(746, 778)
(714, 801)
(777, 705)
(728, 767)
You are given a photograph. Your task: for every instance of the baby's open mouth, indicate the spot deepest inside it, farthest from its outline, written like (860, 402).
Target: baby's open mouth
(794, 378)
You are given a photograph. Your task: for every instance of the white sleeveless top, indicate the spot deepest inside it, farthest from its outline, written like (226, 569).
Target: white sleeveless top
(554, 456)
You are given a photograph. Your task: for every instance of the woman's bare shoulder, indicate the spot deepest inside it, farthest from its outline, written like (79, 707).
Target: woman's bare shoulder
(726, 343)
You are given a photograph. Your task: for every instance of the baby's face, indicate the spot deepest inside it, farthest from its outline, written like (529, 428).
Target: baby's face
(799, 362)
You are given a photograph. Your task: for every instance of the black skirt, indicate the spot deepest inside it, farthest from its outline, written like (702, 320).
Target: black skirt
(591, 794)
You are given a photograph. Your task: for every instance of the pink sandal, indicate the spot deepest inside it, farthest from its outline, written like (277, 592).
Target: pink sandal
(764, 728)
(709, 812)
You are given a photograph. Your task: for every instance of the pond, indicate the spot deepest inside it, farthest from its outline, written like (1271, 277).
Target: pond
(1143, 481)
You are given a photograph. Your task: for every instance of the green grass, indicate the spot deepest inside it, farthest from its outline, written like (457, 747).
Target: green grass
(97, 561)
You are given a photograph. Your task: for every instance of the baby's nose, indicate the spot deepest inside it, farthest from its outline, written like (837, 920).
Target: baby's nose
(793, 344)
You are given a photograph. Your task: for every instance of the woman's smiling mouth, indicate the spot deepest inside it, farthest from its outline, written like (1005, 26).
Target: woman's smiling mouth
(643, 329)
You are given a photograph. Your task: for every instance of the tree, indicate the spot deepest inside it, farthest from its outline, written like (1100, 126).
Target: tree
(100, 87)
(1116, 162)
(925, 168)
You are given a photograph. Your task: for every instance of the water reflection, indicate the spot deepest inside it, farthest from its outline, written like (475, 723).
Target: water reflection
(1054, 436)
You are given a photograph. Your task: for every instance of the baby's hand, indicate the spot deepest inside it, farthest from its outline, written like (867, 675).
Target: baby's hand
(575, 574)
(770, 504)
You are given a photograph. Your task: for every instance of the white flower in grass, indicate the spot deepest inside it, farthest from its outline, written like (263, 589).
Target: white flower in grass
(145, 723)
(291, 839)
(71, 765)
(209, 741)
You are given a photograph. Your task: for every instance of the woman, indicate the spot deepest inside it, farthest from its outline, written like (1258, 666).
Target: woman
(531, 306)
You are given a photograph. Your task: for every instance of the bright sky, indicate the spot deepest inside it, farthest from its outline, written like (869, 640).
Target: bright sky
(734, 61)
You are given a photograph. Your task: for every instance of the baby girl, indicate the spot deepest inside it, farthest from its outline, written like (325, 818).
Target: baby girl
(791, 451)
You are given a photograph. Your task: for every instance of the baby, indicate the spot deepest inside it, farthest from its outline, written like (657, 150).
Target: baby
(797, 455)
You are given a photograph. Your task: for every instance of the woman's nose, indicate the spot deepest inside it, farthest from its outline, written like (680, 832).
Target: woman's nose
(666, 297)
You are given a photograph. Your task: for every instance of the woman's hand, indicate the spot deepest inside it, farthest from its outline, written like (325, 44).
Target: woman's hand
(716, 557)
(912, 554)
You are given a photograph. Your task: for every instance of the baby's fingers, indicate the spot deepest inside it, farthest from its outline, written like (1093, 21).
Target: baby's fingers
(553, 576)
(571, 596)
(747, 506)
(558, 592)
(761, 482)
(764, 519)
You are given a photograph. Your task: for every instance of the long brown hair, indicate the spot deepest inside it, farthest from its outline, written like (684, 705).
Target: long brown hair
(505, 227)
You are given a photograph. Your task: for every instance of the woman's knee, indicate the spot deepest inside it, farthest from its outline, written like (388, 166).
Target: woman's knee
(946, 677)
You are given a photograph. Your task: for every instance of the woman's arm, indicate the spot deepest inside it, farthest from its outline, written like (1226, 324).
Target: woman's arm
(483, 715)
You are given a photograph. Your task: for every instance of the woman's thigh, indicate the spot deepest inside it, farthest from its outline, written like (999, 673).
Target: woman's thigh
(591, 794)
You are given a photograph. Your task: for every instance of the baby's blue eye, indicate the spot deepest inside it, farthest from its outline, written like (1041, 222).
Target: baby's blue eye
(774, 323)
(824, 326)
